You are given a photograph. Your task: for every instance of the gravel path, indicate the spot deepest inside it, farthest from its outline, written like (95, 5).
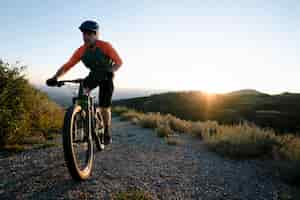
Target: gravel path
(138, 159)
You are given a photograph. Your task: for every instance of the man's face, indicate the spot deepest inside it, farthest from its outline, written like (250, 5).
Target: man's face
(89, 37)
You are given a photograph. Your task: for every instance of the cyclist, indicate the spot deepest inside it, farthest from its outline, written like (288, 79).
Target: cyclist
(103, 61)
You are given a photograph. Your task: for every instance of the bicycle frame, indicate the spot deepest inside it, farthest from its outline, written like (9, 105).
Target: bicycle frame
(85, 101)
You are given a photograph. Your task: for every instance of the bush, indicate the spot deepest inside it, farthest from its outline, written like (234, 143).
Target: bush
(289, 148)
(242, 141)
(177, 124)
(163, 130)
(130, 115)
(24, 110)
(203, 129)
(119, 109)
(150, 120)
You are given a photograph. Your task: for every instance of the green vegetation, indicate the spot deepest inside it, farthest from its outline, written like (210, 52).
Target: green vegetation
(25, 112)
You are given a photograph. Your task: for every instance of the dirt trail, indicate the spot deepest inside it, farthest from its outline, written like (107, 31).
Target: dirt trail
(138, 159)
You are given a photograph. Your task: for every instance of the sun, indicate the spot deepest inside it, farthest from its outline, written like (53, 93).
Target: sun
(204, 80)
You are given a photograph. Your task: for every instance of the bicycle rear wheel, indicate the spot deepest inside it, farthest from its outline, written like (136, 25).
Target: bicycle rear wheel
(77, 143)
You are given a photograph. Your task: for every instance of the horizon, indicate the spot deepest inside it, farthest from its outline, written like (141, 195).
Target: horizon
(160, 91)
(201, 46)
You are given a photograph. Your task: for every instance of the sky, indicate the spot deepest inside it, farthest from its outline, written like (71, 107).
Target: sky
(209, 45)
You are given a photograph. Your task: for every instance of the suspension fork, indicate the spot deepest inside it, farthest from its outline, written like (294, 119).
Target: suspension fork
(90, 117)
(88, 108)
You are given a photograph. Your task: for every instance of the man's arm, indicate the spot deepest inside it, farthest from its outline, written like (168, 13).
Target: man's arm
(60, 72)
(112, 53)
(75, 58)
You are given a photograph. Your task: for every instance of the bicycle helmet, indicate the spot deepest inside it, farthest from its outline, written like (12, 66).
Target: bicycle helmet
(89, 25)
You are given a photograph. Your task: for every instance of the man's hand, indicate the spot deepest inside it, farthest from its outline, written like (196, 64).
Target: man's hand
(115, 67)
(52, 81)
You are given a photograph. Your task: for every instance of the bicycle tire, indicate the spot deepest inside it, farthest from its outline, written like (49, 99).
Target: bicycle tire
(74, 169)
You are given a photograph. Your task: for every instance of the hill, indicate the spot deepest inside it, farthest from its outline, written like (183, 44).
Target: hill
(63, 95)
(246, 92)
(280, 112)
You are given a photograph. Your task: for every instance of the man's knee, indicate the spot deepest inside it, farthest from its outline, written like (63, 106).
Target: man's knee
(106, 114)
(105, 109)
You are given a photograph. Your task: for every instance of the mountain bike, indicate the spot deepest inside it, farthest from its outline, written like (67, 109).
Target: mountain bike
(83, 124)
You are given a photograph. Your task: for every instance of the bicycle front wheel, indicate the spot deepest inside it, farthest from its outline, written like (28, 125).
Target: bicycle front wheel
(77, 143)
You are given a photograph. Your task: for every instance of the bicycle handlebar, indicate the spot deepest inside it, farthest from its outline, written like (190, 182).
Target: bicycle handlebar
(71, 81)
(61, 83)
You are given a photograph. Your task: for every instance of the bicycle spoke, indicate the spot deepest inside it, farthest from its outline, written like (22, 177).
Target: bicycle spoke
(80, 142)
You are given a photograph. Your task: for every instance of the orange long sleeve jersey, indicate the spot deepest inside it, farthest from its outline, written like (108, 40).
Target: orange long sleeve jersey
(94, 58)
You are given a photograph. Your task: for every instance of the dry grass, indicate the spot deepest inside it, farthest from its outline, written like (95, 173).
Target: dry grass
(289, 148)
(131, 195)
(204, 129)
(177, 124)
(119, 109)
(14, 148)
(17, 148)
(173, 140)
(130, 115)
(164, 130)
(150, 120)
(37, 139)
(244, 140)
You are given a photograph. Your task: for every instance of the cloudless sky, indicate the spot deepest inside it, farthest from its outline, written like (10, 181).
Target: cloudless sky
(215, 46)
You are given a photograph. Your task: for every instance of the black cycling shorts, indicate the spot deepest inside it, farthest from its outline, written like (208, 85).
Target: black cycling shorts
(106, 88)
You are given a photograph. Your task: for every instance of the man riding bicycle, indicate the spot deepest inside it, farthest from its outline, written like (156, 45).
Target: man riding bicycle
(103, 61)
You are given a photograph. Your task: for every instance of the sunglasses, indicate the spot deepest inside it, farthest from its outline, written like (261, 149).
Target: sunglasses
(88, 32)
